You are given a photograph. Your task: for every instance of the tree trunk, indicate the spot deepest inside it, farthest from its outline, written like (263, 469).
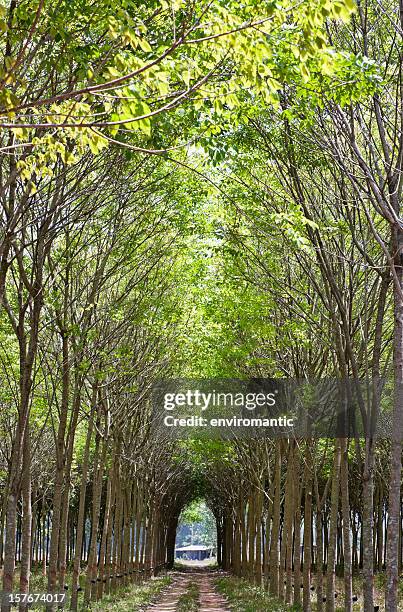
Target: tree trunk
(96, 502)
(307, 530)
(81, 511)
(297, 530)
(334, 510)
(107, 517)
(275, 532)
(368, 526)
(26, 519)
(392, 558)
(345, 503)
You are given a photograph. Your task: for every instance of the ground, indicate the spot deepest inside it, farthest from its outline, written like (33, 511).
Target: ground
(199, 586)
(196, 587)
(192, 588)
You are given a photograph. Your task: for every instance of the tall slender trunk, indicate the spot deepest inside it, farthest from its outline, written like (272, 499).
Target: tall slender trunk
(297, 530)
(368, 526)
(67, 482)
(345, 504)
(251, 535)
(392, 555)
(96, 503)
(81, 511)
(219, 540)
(288, 522)
(307, 530)
(2, 523)
(44, 540)
(244, 541)
(26, 518)
(173, 524)
(258, 530)
(275, 531)
(11, 517)
(268, 535)
(334, 510)
(107, 518)
(60, 463)
(319, 556)
(237, 536)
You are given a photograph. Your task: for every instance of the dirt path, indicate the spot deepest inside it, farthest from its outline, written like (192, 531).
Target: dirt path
(210, 600)
(170, 596)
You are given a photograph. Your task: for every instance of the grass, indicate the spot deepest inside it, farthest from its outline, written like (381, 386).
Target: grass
(242, 596)
(133, 598)
(181, 566)
(189, 601)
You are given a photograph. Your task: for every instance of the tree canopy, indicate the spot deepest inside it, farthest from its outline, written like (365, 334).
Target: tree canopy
(198, 190)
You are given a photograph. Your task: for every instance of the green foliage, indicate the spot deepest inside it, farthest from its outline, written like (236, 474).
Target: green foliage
(192, 514)
(196, 525)
(189, 601)
(134, 598)
(193, 264)
(244, 597)
(131, 71)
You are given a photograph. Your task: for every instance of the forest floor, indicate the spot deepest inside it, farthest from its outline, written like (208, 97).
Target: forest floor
(191, 589)
(134, 598)
(205, 589)
(243, 596)
(201, 587)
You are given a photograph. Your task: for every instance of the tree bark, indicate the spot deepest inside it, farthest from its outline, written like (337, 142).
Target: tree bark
(81, 511)
(345, 504)
(307, 530)
(275, 531)
(392, 558)
(26, 519)
(334, 510)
